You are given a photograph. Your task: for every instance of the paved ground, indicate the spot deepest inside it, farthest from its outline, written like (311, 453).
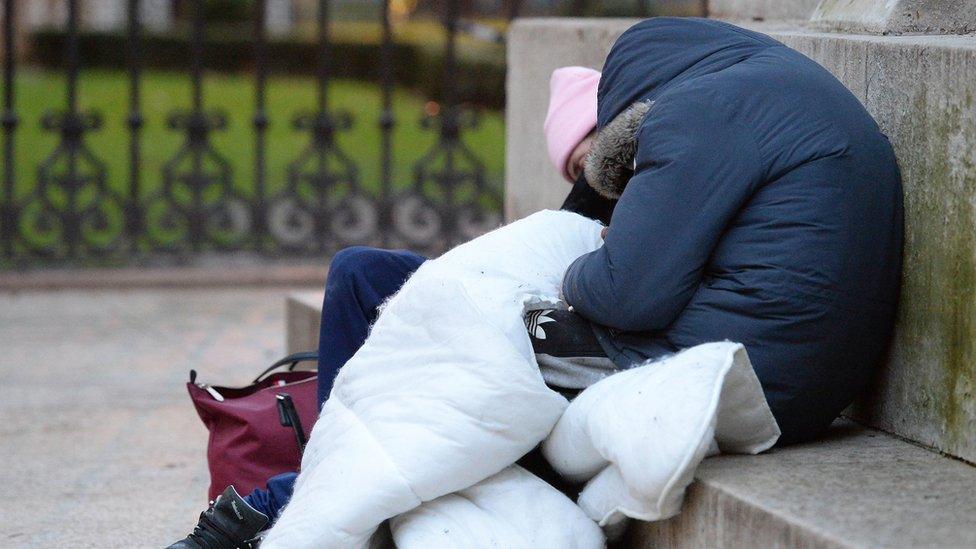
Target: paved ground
(99, 444)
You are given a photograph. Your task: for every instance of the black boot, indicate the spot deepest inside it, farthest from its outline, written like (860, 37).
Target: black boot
(229, 523)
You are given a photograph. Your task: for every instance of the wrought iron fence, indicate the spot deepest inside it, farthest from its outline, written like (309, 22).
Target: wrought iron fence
(72, 214)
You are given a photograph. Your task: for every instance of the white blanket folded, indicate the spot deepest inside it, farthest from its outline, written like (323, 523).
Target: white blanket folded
(637, 436)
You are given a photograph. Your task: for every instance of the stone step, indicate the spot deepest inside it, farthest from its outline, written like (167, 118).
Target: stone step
(858, 488)
(303, 312)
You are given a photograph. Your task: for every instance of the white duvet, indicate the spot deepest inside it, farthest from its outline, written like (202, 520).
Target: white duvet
(425, 422)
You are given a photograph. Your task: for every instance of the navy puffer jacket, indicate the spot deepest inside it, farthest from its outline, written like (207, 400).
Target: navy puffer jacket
(758, 202)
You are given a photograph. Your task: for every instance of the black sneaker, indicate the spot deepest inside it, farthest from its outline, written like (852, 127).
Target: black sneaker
(229, 523)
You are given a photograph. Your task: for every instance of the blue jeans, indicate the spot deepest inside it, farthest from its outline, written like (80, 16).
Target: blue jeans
(360, 280)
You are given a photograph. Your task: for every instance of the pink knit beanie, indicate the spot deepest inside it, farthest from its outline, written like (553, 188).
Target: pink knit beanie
(572, 112)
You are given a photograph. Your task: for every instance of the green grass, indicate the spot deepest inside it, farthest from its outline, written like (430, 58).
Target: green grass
(429, 33)
(163, 92)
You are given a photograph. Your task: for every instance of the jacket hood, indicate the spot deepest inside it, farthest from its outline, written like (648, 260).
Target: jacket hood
(649, 59)
(657, 54)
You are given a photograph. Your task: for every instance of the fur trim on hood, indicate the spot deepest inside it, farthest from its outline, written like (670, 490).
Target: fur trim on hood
(610, 162)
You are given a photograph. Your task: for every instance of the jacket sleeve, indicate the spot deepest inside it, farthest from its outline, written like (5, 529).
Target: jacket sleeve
(694, 171)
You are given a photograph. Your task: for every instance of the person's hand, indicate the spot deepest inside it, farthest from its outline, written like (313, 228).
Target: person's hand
(603, 233)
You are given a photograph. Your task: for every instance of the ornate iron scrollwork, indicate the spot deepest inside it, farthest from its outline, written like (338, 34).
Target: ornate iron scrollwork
(198, 204)
(322, 206)
(71, 212)
(450, 200)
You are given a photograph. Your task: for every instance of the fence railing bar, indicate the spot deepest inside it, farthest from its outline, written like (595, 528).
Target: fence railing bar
(134, 121)
(219, 219)
(198, 119)
(450, 121)
(260, 123)
(72, 119)
(9, 121)
(70, 198)
(387, 123)
(197, 38)
(71, 57)
(323, 125)
(451, 21)
(322, 62)
(512, 10)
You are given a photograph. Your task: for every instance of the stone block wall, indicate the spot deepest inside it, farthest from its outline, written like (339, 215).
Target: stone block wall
(920, 89)
(536, 47)
(897, 16)
(758, 10)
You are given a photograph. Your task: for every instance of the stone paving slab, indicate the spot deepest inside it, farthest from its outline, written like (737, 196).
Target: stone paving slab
(99, 444)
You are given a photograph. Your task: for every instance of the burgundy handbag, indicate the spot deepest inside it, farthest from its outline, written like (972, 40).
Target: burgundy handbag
(260, 430)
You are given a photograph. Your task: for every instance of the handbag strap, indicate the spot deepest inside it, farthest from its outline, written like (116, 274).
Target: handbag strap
(291, 360)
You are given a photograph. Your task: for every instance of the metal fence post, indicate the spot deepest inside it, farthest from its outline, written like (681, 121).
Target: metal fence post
(8, 215)
(71, 213)
(387, 123)
(260, 122)
(216, 215)
(135, 122)
(322, 206)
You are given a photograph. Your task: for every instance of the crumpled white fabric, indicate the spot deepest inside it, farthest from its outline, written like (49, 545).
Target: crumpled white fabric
(511, 509)
(444, 393)
(638, 436)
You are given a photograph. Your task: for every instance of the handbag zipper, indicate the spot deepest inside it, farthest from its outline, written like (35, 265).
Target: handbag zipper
(220, 398)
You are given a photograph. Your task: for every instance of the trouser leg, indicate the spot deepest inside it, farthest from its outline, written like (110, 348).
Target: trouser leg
(360, 280)
(274, 497)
